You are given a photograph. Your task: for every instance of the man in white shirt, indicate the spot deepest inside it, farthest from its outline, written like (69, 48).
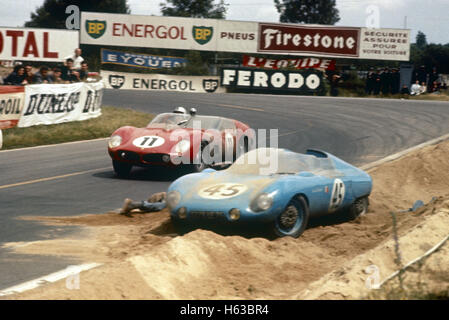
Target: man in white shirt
(415, 90)
(77, 59)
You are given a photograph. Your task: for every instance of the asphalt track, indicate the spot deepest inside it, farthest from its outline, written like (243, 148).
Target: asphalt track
(77, 178)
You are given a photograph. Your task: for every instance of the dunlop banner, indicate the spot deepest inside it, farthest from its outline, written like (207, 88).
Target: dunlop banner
(58, 103)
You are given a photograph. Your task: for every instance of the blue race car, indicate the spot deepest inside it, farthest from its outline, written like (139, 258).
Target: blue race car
(271, 186)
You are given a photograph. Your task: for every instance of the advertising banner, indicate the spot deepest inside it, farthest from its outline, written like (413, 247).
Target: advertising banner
(247, 37)
(32, 44)
(385, 44)
(301, 82)
(304, 63)
(140, 59)
(11, 104)
(301, 39)
(161, 82)
(58, 103)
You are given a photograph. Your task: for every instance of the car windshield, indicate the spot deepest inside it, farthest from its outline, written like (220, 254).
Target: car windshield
(270, 161)
(174, 119)
(185, 121)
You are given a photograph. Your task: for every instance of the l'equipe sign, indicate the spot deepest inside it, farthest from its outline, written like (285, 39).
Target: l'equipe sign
(140, 60)
(37, 44)
(161, 82)
(303, 63)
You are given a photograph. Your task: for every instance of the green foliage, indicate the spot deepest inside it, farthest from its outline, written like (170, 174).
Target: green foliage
(52, 13)
(421, 40)
(194, 9)
(308, 11)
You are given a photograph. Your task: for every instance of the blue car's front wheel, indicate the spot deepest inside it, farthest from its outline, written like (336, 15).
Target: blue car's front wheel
(293, 220)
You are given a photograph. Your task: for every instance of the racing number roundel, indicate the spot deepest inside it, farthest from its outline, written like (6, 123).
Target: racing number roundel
(338, 194)
(148, 141)
(222, 190)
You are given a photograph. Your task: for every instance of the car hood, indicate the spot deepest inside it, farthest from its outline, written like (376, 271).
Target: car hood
(217, 185)
(164, 140)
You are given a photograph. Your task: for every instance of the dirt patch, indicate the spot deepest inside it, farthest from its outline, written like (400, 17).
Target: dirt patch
(328, 261)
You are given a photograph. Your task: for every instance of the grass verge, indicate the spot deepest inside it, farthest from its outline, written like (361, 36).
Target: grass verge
(111, 119)
(444, 96)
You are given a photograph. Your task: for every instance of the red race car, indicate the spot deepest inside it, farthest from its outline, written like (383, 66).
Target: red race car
(180, 139)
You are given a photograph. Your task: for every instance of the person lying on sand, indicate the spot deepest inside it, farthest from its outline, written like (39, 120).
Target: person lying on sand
(156, 202)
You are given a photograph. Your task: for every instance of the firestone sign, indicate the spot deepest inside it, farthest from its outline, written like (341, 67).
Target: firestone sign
(246, 37)
(277, 38)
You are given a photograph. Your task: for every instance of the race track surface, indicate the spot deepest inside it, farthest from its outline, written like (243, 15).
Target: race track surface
(77, 178)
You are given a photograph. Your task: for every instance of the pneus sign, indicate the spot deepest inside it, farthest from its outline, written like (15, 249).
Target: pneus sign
(301, 82)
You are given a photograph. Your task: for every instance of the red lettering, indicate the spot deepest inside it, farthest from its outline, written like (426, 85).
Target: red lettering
(125, 28)
(30, 46)
(1, 42)
(14, 34)
(115, 29)
(182, 34)
(138, 30)
(170, 34)
(161, 35)
(150, 32)
(47, 53)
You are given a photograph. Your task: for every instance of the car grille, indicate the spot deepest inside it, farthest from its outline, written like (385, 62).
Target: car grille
(206, 214)
(128, 155)
(152, 157)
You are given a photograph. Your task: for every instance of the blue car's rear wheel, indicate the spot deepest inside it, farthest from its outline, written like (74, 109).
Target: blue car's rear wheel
(293, 220)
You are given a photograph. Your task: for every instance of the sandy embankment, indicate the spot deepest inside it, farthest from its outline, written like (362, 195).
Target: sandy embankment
(144, 259)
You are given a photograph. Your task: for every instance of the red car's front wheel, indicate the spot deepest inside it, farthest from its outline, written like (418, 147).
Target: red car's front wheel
(121, 169)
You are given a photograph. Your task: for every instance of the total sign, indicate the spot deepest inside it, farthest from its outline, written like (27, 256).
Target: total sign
(148, 31)
(32, 44)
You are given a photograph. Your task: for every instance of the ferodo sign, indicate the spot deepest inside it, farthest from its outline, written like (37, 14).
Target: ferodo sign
(161, 82)
(11, 104)
(299, 81)
(37, 44)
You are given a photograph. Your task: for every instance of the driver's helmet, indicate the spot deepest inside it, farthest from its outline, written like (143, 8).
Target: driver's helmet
(181, 110)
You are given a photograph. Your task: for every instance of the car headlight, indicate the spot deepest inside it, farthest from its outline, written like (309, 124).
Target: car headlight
(263, 202)
(115, 141)
(172, 199)
(182, 146)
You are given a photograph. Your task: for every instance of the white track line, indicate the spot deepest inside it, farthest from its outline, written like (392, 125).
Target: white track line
(53, 145)
(404, 152)
(53, 277)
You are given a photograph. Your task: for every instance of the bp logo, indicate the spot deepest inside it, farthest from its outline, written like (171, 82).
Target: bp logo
(116, 81)
(95, 28)
(202, 35)
(210, 85)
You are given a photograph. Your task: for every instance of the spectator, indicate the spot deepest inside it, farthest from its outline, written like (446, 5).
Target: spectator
(433, 77)
(435, 88)
(68, 73)
(415, 89)
(377, 82)
(370, 80)
(28, 74)
(405, 90)
(423, 88)
(57, 76)
(395, 81)
(334, 80)
(84, 72)
(76, 58)
(385, 81)
(42, 76)
(17, 77)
